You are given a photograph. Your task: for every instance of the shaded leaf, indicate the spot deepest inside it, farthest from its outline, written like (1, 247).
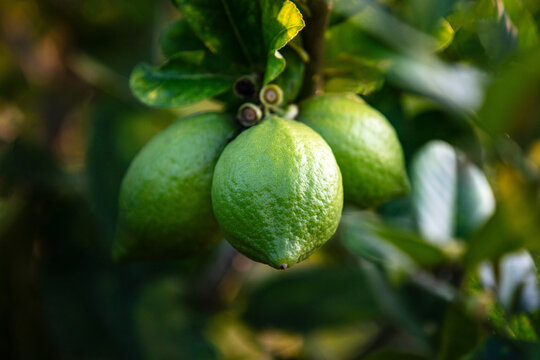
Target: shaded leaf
(392, 355)
(498, 36)
(524, 21)
(428, 13)
(290, 80)
(165, 328)
(460, 333)
(184, 79)
(363, 228)
(475, 202)
(393, 306)
(229, 28)
(495, 348)
(360, 239)
(303, 300)
(179, 37)
(511, 104)
(274, 67)
(493, 240)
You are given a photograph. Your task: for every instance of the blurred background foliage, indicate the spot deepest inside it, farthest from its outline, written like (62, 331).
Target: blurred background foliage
(447, 273)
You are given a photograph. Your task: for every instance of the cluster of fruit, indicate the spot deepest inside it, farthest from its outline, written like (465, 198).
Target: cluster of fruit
(273, 187)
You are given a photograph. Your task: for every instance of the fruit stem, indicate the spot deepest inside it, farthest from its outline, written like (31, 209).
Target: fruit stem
(314, 43)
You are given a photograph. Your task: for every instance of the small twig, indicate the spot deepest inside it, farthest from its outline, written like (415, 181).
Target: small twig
(314, 44)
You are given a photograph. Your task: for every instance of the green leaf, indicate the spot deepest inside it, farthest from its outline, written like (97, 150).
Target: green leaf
(525, 24)
(349, 74)
(274, 66)
(475, 202)
(516, 282)
(290, 80)
(184, 79)
(457, 87)
(393, 306)
(392, 355)
(494, 239)
(359, 237)
(281, 22)
(427, 13)
(434, 191)
(498, 39)
(444, 34)
(510, 100)
(363, 230)
(179, 37)
(460, 333)
(230, 28)
(348, 39)
(167, 329)
(305, 300)
(498, 348)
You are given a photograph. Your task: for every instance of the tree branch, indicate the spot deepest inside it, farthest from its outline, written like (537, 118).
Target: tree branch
(314, 44)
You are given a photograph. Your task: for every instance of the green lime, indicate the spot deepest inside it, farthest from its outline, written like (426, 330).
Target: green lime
(365, 145)
(165, 208)
(277, 192)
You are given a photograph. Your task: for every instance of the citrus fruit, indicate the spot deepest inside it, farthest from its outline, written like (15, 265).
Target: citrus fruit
(364, 143)
(277, 192)
(165, 208)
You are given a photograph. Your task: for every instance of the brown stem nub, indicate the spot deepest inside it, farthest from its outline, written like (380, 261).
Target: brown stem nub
(314, 44)
(249, 114)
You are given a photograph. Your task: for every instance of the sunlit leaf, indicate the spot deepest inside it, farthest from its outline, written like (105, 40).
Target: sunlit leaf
(434, 191)
(444, 34)
(516, 285)
(281, 22)
(458, 87)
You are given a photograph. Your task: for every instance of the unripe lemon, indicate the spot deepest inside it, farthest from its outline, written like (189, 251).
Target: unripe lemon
(165, 208)
(277, 192)
(365, 145)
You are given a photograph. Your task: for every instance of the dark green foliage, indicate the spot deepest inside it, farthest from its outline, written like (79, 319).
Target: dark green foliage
(448, 272)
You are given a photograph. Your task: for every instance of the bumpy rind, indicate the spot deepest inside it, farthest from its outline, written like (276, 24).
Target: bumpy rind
(365, 145)
(165, 209)
(277, 192)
